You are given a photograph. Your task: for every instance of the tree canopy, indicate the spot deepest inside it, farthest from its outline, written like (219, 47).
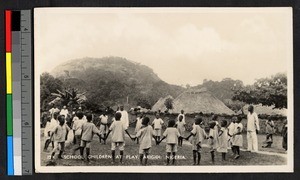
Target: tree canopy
(265, 91)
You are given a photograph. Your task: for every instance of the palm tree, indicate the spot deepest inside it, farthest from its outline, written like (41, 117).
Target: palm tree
(69, 97)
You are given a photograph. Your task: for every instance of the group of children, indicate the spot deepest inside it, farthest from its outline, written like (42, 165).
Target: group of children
(219, 137)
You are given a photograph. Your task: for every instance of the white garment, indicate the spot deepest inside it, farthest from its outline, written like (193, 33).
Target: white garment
(53, 124)
(252, 141)
(183, 118)
(124, 118)
(231, 128)
(53, 110)
(103, 119)
(253, 122)
(64, 112)
(252, 126)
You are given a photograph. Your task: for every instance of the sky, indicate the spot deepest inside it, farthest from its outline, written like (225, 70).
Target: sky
(181, 45)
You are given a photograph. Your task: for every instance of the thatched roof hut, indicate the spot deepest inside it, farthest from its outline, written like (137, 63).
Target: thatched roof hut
(160, 104)
(200, 100)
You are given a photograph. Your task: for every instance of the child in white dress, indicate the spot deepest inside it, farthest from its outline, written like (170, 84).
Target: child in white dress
(60, 134)
(47, 132)
(138, 125)
(171, 135)
(212, 140)
(157, 126)
(180, 125)
(198, 134)
(118, 129)
(103, 126)
(231, 129)
(223, 139)
(145, 134)
(237, 137)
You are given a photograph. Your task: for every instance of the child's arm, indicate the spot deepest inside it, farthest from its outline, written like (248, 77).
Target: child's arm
(164, 137)
(238, 131)
(107, 134)
(52, 132)
(220, 133)
(187, 138)
(68, 129)
(228, 133)
(128, 134)
(199, 144)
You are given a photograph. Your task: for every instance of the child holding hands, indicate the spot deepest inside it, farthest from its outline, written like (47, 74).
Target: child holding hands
(145, 134)
(60, 134)
(88, 129)
(237, 140)
(171, 135)
(117, 128)
(223, 139)
(198, 135)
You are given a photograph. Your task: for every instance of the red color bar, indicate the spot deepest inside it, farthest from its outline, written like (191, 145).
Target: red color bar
(8, 30)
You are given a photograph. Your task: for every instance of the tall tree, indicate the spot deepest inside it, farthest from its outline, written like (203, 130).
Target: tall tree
(169, 103)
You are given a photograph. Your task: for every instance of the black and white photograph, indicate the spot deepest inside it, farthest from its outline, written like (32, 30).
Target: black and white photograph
(163, 89)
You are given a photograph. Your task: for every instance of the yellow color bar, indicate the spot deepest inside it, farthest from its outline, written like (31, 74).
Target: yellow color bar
(8, 73)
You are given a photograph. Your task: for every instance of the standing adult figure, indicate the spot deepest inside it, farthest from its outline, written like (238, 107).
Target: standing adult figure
(252, 129)
(124, 117)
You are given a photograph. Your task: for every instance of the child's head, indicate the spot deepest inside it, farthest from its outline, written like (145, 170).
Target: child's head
(55, 115)
(234, 119)
(182, 111)
(171, 123)
(118, 116)
(145, 121)
(61, 119)
(251, 109)
(198, 120)
(157, 115)
(79, 114)
(223, 123)
(211, 124)
(89, 117)
(180, 118)
(239, 119)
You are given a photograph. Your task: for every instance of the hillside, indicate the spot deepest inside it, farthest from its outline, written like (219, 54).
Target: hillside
(110, 80)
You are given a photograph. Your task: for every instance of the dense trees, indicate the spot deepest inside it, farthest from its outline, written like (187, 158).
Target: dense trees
(49, 85)
(267, 91)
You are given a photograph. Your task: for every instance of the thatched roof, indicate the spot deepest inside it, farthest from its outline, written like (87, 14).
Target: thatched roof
(200, 100)
(160, 104)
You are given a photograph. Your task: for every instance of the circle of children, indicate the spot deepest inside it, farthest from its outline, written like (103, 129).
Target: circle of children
(220, 136)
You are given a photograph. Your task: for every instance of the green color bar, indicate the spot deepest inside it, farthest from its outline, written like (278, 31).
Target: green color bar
(9, 115)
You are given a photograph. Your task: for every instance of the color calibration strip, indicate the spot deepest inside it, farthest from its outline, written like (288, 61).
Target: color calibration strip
(9, 101)
(18, 92)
